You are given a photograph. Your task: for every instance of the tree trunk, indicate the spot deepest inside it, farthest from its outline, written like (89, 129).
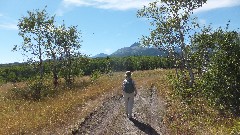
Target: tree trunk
(185, 60)
(55, 74)
(39, 85)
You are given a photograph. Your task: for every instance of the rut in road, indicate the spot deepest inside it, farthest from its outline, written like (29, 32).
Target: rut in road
(109, 118)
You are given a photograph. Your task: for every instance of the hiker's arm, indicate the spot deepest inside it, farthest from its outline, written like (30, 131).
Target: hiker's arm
(135, 89)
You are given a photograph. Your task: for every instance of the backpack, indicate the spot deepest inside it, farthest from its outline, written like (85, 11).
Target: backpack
(128, 86)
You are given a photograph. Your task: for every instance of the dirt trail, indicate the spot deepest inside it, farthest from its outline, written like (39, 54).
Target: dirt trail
(109, 118)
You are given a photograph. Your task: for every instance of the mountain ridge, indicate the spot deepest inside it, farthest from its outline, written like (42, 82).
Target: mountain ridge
(134, 50)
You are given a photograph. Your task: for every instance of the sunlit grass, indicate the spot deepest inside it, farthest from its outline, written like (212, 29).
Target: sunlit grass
(21, 116)
(71, 106)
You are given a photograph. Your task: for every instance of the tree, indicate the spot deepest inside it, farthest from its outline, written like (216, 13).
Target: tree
(172, 29)
(53, 51)
(68, 38)
(202, 46)
(32, 28)
(220, 83)
(42, 39)
(62, 47)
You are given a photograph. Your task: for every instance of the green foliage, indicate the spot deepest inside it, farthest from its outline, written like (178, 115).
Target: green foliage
(16, 73)
(172, 27)
(95, 75)
(221, 82)
(171, 21)
(85, 66)
(202, 47)
(68, 40)
(181, 89)
(43, 39)
(215, 55)
(33, 29)
(129, 63)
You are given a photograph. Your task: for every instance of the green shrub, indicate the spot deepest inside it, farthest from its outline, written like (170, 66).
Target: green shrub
(34, 91)
(95, 75)
(220, 82)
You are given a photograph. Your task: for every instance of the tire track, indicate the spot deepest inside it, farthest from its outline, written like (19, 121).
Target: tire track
(109, 118)
(100, 117)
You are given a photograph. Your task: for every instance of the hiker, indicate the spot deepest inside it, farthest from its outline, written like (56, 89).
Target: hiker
(129, 91)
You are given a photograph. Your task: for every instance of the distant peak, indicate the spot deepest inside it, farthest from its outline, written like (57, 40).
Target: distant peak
(135, 44)
(101, 55)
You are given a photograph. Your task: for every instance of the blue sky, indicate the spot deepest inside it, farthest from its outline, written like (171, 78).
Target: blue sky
(106, 25)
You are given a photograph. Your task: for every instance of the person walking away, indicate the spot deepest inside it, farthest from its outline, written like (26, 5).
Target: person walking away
(129, 91)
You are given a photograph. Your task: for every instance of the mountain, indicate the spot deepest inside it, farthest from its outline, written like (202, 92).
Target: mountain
(101, 55)
(136, 50)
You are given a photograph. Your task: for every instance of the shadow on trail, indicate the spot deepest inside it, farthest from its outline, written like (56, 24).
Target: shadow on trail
(146, 128)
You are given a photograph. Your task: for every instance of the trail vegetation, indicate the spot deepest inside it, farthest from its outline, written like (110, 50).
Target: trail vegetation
(79, 110)
(194, 90)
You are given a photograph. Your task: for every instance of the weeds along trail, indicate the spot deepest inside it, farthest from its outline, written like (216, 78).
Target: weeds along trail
(94, 109)
(109, 117)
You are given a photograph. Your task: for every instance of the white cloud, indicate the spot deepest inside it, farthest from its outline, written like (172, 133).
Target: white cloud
(108, 4)
(8, 26)
(77, 3)
(214, 4)
(67, 5)
(135, 4)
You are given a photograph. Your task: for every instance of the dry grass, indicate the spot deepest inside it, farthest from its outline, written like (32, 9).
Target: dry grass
(19, 116)
(71, 106)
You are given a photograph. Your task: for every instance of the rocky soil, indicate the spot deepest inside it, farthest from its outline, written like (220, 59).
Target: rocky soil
(109, 117)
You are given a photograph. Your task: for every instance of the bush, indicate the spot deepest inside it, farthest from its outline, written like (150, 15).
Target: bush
(34, 91)
(182, 90)
(95, 75)
(220, 83)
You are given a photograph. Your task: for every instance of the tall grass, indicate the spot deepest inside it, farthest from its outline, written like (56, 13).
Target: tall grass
(23, 116)
(69, 107)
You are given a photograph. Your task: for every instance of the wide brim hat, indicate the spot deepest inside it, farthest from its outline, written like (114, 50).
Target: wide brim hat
(128, 73)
